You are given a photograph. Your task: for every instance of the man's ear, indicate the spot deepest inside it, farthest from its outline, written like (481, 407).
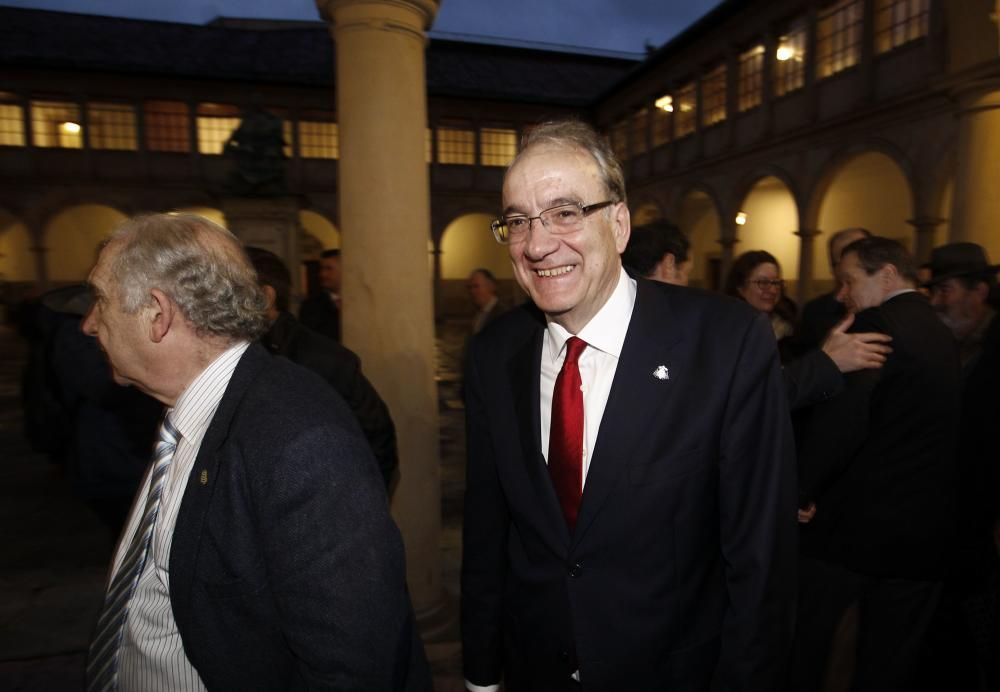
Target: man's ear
(622, 226)
(269, 295)
(162, 313)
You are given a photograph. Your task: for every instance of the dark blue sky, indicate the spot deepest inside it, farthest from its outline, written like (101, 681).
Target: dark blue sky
(620, 25)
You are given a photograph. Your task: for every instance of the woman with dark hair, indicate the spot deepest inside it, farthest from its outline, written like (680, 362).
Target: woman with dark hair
(755, 278)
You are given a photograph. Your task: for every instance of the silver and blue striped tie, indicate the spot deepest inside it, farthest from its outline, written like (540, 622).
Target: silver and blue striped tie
(102, 661)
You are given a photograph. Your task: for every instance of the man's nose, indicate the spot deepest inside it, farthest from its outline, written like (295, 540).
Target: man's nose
(89, 324)
(539, 242)
(841, 296)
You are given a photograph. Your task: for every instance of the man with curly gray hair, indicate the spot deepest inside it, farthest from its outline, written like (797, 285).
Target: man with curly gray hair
(260, 553)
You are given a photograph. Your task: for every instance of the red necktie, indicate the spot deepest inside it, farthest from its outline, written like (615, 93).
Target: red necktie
(566, 433)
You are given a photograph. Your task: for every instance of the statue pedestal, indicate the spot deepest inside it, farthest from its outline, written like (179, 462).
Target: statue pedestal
(270, 223)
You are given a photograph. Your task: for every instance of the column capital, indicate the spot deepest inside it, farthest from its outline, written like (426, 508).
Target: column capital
(926, 224)
(808, 232)
(379, 9)
(978, 95)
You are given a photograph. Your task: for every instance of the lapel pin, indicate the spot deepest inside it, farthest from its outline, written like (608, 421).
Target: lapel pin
(661, 373)
(204, 477)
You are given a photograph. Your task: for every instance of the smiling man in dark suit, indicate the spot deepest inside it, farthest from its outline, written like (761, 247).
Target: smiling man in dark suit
(260, 553)
(630, 500)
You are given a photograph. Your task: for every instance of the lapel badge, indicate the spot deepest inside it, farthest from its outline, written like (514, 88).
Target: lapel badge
(661, 372)
(204, 477)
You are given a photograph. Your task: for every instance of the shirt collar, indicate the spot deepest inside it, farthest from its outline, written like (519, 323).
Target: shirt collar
(606, 330)
(196, 406)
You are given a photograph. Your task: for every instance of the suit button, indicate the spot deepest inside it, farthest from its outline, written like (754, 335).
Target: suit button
(575, 570)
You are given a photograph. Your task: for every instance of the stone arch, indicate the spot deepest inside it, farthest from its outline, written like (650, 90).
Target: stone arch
(17, 256)
(871, 187)
(72, 237)
(771, 220)
(318, 233)
(467, 244)
(646, 212)
(213, 214)
(699, 216)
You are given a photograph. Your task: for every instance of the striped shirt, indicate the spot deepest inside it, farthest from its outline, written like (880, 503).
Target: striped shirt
(152, 655)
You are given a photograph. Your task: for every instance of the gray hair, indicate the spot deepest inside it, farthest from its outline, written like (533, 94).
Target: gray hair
(200, 265)
(575, 133)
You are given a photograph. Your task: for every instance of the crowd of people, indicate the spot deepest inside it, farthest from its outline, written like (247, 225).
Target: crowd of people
(667, 488)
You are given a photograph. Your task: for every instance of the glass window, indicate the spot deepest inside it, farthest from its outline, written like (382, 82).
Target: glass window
(713, 97)
(838, 37)
(751, 82)
(216, 121)
(167, 126)
(11, 122)
(790, 59)
(685, 110)
(112, 126)
(456, 145)
(619, 139)
(56, 124)
(640, 132)
(900, 21)
(497, 146)
(662, 113)
(319, 135)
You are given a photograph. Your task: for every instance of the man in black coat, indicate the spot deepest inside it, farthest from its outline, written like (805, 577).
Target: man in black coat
(321, 310)
(644, 537)
(260, 553)
(336, 364)
(878, 461)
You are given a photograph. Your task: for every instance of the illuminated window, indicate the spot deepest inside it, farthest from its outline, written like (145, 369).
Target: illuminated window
(619, 139)
(790, 60)
(684, 110)
(112, 126)
(56, 124)
(497, 146)
(899, 21)
(11, 122)
(713, 97)
(640, 132)
(838, 37)
(456, 145)
(751, 82)
(167, 126)
(319, 135)
(216, 121)
(662, 113)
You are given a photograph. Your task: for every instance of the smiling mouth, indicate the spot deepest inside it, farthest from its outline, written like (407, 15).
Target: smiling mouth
(555, 271)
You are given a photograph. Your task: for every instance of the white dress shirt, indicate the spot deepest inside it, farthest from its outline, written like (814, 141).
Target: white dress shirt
(152, 658)
(605, 336)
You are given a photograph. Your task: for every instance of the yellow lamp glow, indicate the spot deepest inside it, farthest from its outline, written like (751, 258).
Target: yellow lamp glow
(665, 103)
(741, 218)
(785, 52)
(70, 128)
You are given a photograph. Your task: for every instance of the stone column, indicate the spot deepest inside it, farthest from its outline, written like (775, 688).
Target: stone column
(924, 227)
(806, 241)
(975, 212)
(728, 242)
(385, 226)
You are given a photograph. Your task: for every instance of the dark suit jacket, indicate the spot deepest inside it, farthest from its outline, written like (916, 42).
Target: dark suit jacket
(321, 314)
(683, 556)
(341, 368)
(819, 316)
(879, 459)
(286, 570)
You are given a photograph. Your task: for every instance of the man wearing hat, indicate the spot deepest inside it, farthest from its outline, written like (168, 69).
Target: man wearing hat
(962, 280)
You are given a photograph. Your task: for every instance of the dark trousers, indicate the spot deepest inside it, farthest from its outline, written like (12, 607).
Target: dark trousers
(893, 617)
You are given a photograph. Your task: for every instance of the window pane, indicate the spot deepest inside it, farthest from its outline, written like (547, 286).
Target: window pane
(112, 126)
(56, 124)
(640, 132)
(838, 37)
(11, 125)
(166, 124)
(713, 97)
(215, 123)
(684, 110)
(497, 146)
(790, 60)
(319, 139)
(751, 83)
(456, 145)
(900, 21)
(662, 112)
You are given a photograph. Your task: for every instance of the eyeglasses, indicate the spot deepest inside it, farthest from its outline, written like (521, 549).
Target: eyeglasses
(763, 284)
(562, 219)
